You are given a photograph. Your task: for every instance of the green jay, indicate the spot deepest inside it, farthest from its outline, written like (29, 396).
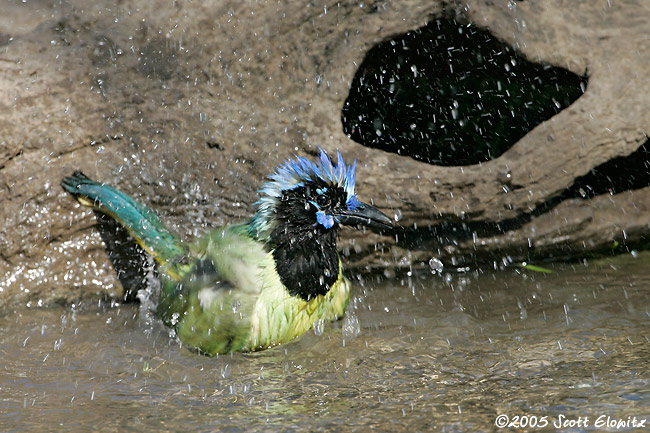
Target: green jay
(250, 286)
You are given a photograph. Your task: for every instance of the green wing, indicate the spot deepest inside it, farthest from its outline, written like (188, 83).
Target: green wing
(232, 298)
(211, 307)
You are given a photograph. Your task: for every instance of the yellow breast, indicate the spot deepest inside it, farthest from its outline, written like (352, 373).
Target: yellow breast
(279, 317)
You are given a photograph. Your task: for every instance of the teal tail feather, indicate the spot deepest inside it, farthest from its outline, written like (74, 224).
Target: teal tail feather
(141, 222)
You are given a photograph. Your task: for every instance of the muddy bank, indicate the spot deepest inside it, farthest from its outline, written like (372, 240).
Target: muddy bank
(187, 107)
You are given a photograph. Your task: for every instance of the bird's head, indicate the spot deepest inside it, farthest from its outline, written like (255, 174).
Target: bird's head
(302, 196)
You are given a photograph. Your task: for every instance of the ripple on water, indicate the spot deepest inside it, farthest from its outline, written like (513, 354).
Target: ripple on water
(420, 353)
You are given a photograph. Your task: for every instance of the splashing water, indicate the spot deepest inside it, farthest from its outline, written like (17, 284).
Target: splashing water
(411, 352)
(436, 265)
(319, 327)
(351, 328)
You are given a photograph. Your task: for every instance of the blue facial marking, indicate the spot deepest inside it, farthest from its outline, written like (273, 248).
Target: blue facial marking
(322, 190)
(353, 203)
(325, 220)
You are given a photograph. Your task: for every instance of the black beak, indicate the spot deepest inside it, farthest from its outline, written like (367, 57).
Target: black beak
(364, 215)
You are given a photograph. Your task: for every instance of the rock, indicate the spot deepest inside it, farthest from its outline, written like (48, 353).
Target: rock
(187, 106)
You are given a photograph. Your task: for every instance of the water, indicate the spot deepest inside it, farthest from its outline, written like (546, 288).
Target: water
(427, 353)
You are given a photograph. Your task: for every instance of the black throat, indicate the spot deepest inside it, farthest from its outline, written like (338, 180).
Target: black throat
(306, 260)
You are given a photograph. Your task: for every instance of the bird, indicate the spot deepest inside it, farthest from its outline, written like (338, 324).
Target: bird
(250, 286)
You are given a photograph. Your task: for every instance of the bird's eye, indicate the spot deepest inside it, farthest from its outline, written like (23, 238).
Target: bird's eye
(322, 200)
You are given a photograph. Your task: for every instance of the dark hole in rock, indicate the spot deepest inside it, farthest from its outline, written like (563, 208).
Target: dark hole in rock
(620, 174)
(625, 173)
(452, 94)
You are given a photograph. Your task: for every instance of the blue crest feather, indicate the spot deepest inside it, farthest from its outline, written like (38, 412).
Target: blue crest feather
(294, 173)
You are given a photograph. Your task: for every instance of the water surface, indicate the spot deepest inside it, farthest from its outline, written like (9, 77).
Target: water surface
(443, 352)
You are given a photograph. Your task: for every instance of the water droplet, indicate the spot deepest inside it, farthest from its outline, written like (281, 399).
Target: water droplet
(225, 371)
(436, 265)
(319, 327)
(523, 314)
(505, 176)
(351, 328)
